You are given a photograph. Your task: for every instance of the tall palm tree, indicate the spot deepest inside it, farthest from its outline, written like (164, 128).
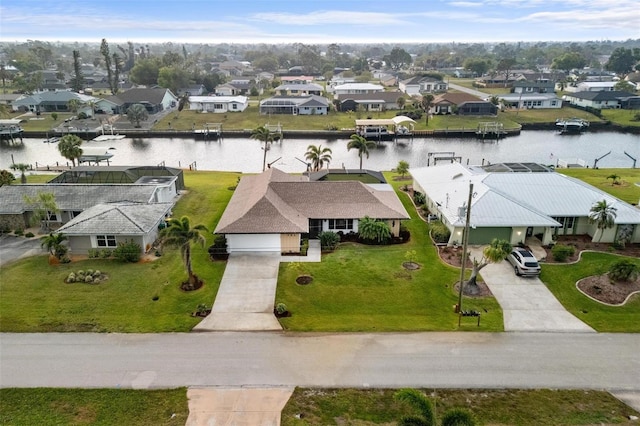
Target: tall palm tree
(22, 167)
(427, 101)
(603, 215)
(69, 147)
(361, 144)
(179, 233)
(53, 244)
(318, 156)
(263, 134)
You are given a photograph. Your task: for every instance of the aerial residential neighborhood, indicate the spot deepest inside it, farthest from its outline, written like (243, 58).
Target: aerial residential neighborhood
(265, 214)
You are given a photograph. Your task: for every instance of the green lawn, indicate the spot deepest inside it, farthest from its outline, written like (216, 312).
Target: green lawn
(35, 298)
(47, 406)
(561, 280)
(457, 122)
(365, 288)
(627, 190)
(623, 117)
(44, 122)
(548, 115)
(489, 407)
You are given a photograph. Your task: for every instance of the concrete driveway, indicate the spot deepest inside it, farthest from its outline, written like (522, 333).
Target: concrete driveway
(527, 304)
(13, 248)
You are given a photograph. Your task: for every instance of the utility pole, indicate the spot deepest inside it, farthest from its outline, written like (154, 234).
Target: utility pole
(465, 240)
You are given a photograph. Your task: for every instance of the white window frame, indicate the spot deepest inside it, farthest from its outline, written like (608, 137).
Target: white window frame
(109, 241)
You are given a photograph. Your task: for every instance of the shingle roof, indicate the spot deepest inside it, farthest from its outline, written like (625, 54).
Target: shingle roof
(60, 96)
(117, 219)
(383, 96)
(153, 96)
(600, 95)
(72, 196)
(275, 202)
(455, 98)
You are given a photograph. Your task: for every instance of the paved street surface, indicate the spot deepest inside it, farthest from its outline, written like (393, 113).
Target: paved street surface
(481, 95)
(12, 248)
(229, 359)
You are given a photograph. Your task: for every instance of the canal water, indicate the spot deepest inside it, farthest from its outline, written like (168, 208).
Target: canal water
(246, 155)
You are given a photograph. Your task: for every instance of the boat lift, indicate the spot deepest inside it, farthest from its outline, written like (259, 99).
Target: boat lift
(442, 155)
(634, 160)
(595, 162)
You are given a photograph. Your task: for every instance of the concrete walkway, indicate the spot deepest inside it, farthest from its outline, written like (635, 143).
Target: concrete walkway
(247, 292)
(527, 304)
(236, 406)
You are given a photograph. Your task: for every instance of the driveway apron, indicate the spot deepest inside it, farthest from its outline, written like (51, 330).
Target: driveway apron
(527, 304)
(246, 295)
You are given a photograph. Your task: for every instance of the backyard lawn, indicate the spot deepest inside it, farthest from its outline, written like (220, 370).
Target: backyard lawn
(35, 298)
(527, 116)
(626, 188)
(561, 280)
(365, 288)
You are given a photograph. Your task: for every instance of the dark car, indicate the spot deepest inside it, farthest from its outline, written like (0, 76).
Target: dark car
(523, 262)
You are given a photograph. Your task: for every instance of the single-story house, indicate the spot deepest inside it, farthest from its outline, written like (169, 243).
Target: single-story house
(270, 212)
(298, 89)
(52, 101)
(604, 100)
(498, 80)
(103, 226)
(380, 101)
(159, 175)
(355, 88)
(596, 86)
(514, 201)
(218, 104)
(531, 100)
(154, 100)
(195, 90)
(73, 199)
(447, 103)
(477, 108)
(296, 79)
(526, 86)
(238, 88)
(422, 84)
(295, 105)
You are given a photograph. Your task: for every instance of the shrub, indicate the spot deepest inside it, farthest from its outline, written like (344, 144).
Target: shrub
(65, 259)
(201, 309)
(18, 231)
(88, 279)
(439, 232)
(329, 240)
(105, 253)
(29, 235)
(458, 417)
(624, 270)
(219, 246)
(82, 116)
(93, 253)
(281, 308)
(71, 278)
(128, 251)
(419, 198)
(97, 273)
(561, 253)
(373, 231)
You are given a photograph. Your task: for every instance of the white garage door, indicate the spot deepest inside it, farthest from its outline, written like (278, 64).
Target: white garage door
(253, 242)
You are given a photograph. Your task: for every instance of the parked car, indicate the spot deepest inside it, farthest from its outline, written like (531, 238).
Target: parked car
(524, 262)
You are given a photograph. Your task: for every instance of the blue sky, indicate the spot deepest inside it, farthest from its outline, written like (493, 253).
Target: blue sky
(310, 21)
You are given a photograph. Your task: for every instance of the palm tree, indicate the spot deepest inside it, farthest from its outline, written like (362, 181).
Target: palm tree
(361, 144)
(69, 147)
(22, 167)
(137, 113)
(603, 215)
(263, 134)
(53, 244)
(427, 101)
(495, 252)
(402, 168)
(179, 233)
(318, 156)
(420, 403)
(74, 105)
(614, 178)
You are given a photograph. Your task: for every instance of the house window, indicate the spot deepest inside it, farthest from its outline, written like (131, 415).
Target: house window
(234, 106)
(52, 217)
(340, 223)
(566, 222)
(218, 106)
(106, 240)
(75, 213)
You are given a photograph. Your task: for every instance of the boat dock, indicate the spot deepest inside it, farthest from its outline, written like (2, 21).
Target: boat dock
(11, 130)
(209, 131)
(571, 125)
(490, 130)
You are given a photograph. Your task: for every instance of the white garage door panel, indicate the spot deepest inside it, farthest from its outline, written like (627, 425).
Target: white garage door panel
(253, 242)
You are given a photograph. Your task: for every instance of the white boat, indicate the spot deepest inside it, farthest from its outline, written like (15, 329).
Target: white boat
(571, 125)
(108, 137)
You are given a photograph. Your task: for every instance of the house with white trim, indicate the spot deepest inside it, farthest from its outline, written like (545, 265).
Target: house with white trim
(514, 201)
(218, 104)
(531, 100)
(604, 100)
(421, 84)
(295, 105)
(355, 88)
(272, 211)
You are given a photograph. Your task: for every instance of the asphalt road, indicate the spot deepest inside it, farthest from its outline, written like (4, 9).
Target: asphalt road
(452, 360)
(12, 248)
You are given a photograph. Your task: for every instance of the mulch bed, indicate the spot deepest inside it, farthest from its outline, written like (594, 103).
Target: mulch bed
(601, 288)
(583, 242)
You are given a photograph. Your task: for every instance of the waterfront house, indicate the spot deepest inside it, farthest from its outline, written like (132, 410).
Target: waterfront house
(56, 101)
(355, 88)
(528, 87)
(379, 101)
(296, 79)
(299, 89)
(604, 100)
(531, 100)
(295, 105)
(477, 108)
(218, 104)
(154, 99)
(447, 103)
(513, 201)
(272, 211)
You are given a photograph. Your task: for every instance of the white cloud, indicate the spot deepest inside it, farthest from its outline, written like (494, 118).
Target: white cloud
(330, 17)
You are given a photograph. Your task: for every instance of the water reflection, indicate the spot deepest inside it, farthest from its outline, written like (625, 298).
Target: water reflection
(245, 155)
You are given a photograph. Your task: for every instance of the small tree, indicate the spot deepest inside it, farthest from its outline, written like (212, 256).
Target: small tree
(54, 116)
(402, 168)
(615, 179)
(6, 177)
(264, 135)
(495, 252)
(373, 230)
(179, 233)
(318, 156)
(361, 145)
(54, 244)
(137, 113)
(603, 215)
(22, 168)
(44, 205)
(128, 251)
(427, 101)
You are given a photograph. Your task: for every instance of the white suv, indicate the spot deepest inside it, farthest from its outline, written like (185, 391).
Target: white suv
(523, 262)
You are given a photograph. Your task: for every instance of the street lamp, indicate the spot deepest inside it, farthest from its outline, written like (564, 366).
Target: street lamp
(465, 240)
